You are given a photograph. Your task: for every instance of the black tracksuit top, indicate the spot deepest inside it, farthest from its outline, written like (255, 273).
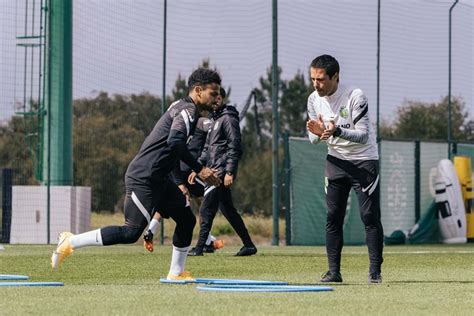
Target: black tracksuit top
(166, 144)
(195, 147)
(223, 147)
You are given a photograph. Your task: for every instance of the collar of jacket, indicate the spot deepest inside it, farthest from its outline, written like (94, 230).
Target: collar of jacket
(188, 99)
(216, 114)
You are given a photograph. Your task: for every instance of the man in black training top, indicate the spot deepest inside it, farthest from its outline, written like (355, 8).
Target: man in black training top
(222, 153)
(148, 184)
(180, 177)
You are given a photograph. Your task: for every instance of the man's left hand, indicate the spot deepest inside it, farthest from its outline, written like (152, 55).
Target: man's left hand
(331, 128)
(228, 180)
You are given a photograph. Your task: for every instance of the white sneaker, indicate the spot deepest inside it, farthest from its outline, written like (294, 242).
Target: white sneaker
(63, 250)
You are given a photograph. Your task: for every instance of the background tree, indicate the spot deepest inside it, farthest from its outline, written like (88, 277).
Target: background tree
(108, 131)
(179, 91)
(429, 121)
(386, 129)
(253, 188)
(107, 134)
(293, 105)
(17, 149)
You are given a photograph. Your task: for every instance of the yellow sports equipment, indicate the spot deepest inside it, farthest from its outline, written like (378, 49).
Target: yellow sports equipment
(462, 164)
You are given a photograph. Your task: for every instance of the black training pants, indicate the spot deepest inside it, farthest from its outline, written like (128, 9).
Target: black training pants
(363, 177)
(220, 198)
(140, 201)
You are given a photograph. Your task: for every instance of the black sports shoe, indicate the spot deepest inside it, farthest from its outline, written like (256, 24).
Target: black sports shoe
(375, 277)
(196, 251)
(208, 248)
(246, 251)
(331, 277)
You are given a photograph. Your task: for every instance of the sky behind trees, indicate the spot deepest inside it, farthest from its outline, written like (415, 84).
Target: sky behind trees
(118, 46)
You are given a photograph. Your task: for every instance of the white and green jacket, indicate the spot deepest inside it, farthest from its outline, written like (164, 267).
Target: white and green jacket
(354, 138)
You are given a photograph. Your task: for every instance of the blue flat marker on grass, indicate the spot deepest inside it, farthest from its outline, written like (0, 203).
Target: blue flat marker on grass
(31, 283)
(13, 277)
(164, 280)
(264, 288)
(223, 282)
(236, 281)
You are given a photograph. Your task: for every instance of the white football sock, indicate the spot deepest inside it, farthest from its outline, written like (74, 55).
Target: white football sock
(154, 225)
(210, 239)
(178, 260)
(91, 238)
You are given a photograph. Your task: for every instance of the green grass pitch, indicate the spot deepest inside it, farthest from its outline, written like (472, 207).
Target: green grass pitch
(123, 280)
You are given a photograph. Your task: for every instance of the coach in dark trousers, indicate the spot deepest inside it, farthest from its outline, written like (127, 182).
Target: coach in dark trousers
(338, 114)
(222, 153)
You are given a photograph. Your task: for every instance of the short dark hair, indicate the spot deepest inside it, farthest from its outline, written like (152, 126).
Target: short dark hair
(327, 63)
(202, 77)
(222, 93)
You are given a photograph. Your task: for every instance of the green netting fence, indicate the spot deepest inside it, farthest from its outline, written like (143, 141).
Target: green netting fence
(408, 170)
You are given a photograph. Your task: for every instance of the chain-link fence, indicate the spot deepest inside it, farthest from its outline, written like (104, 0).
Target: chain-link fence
(396, 53)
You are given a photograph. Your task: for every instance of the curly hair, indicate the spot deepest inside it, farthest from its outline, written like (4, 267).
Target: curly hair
(202, 77)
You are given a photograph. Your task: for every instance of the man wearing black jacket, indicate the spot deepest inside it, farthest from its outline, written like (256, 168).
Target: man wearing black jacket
(180, 177)
(222, 152)
(147, 180)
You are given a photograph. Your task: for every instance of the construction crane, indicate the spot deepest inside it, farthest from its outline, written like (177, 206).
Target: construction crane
(246, 107)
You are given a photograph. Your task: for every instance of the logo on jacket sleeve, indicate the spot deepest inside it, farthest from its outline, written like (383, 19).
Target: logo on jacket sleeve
(190, 116)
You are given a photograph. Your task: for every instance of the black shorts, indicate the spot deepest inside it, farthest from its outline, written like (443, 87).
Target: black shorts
(161, 195)
(142, 199)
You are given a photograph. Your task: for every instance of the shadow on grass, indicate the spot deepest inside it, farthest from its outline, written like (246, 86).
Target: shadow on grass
(381, 284)
(326, 284)
(428, 282)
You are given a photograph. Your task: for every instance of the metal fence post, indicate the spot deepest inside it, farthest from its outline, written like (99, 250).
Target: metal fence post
(287, 205)
(275, 126)
(417, 182)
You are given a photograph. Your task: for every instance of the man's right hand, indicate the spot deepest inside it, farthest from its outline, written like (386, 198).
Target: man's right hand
(191, 177)
(316, 127)
(208, 175)
(185, 191)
